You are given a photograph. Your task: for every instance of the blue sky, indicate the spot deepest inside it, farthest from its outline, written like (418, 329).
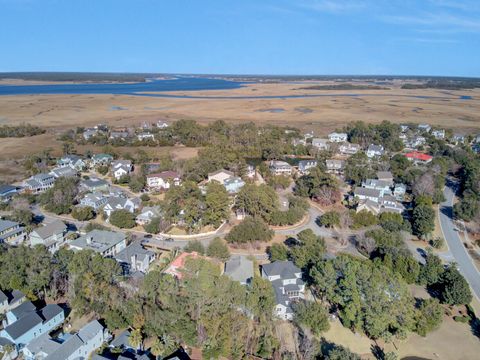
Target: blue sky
(412, 37)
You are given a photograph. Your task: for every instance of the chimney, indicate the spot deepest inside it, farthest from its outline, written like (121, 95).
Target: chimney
(89, 239)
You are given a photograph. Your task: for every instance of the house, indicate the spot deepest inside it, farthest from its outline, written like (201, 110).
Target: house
(94, 184)
(424, 127)
(135, 258)
(335, 166)
(220, 175)
(162, 124)
(121, 168)
(145, 136)
(11, 232)
(89, 133)
(337, 137)
(65, 171)
(296, 142)
(52, 235)
(286, 279)
(163, 180)
(233, 184)
(458, 139)
(106, 243)
(415, 142)
(399, 191)
(280, 168)
(385, 204)
(369, 206)
(308, 135)
(73, 161)
(371, 194)
(101, 160)
(304, 166)
(251, 172)
(320, 144)
(119, 203)
(10, 300)
(119, 135)
(30, 323)
(418, 157)
(39, 183)
(375, 150)
(385, 176)
(349, 149)
(176, 266)
(438, 134)
(122, 341)
(77, 346)
(95, 200)
(404, 128)
(239, 268)
(7, 192)
(147, 214)
(380, 185)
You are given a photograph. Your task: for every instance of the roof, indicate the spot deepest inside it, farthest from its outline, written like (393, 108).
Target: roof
(122, 340)
(94, 182)
(135, 248)
(102, 156)
(7, 224)
(48, 230)
(101, 240)
(284, 269)
(11, 297)
(221, 171)
(239, 268)
(178, 264)
(68, 347)
(4, 189)
(23, 309)
(50, 311)
(90, 330)
(376, 183)
(416, 155)
(384, 175)
(360, 191)
(5, 341)
(23, 325)
(376, 148)
(169, 174)
(279, 164)
(44, 343)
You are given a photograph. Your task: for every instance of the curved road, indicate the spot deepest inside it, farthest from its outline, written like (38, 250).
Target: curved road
(462, 258)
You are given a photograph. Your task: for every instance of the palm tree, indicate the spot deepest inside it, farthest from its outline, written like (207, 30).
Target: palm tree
(157, 347)
(136, 339)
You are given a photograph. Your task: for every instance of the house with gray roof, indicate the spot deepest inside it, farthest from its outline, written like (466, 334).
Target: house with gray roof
(52, 235)
(239, 268)
(74, 161)
(9, 300)
(122, 341)
(278, 167)
(65, 171)
(119, 203)
(94, 184)
(106, 243)
(135, 258)
(95, 200)
(382, 185)
(286, 279)
(121, 168)
(11, 232)
(101, 160)
(363, 194)
(385, 176)
(375, 150)
(7, 192)
(39, 183)
(147, 214)
(304, 166)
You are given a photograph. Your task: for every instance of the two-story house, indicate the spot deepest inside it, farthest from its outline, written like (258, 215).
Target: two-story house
(320, 144)
(94, 184)
(121, 168)
(335, 166)
(39, 183)
(147, 214)
(52, 235)
(286, 279)
(101, 160)
(11, 232)
(349, 149)
(94, 200)
(337, 137)
(304, 166)
(280, 168)
(135, 258)
(10, 300)
(119, 203)
(64, 171)
(233, 184)
(163, 180)
(7, 192)
(74, 161)
(106, 243)
(381, 185)
(220, 175)
(375, 150)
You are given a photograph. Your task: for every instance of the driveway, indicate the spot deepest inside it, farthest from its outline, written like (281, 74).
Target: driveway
(457, 249)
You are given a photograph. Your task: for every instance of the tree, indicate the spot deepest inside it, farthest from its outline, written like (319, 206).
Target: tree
(341, 353)
(257, 201)
(393, 222)
(429, 316)
(454, 288)
(277, 252)
(218, 249)
(466, 209)
(136, 339)
(123, 219)
(156, 225)
(358, 169)
(330, 219)
(423, 220)
(217, 204)
(195, 246)
(362, 219)
(312, 315)
(250, 230)
(83, 213)
(432, 271)
(136, 183)
(319, 186)
(61, 197)
(310, 249)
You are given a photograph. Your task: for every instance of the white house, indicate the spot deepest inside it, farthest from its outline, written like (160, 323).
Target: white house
(304, 166)
(39, 183)
(286, 279)
(119, 203)
(280, 168)
(145, 136)
(439, 134)
(121, 168)
(95, 200)
(349, 149)
(383, 186)
(368, 194)
(220, 175)
(335, 166)
(375, 150)
(337, 137)
(163, 180)
(106, 243)
(147, 214)
(424, 127)
(320, 144)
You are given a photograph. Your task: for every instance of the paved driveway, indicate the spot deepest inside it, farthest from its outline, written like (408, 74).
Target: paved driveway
(457, 249)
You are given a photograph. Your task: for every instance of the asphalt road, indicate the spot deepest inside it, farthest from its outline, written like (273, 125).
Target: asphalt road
(462, 258)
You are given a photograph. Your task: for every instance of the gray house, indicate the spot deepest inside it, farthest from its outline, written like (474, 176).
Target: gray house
(7, 192)
(10, 300)
(52, 236)
(305, 165)
(94, 200)
(11, 232)
(65, 171)
(135, 258)
(39, 183)
(239, 268)
(74, 161)
(94, 184)
(106, 243)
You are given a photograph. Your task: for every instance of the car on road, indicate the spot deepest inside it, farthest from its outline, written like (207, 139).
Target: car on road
(169, 239)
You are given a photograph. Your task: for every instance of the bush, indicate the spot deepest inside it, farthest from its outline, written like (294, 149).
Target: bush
(363, 219)
(330, 219)
(249, 231)
(155, 226)
(313, 315)
(195, 246)
(123, 219)
(429, 316)
(462, 319)
(437, 243)
(394, 222)
(145, 197)
(277, 252)
(83, 213)
(103, 170)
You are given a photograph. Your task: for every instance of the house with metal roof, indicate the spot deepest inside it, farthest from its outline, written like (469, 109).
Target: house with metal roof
(39, 183)
(11, 232)
(239, 268)
(94, 184)
(7, 192)
(10, 300)
(304, 166)
(286, 279)
(65, 171)
(135, 258)
(106, 243)
(52, 235)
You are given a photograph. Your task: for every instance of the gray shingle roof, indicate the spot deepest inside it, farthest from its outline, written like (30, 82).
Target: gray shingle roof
(101, 240)
(360, 191)
(48, 230)
(239, 268)
(122, 340)
(50, 311)
(21, 326)
(7, 224)
(70, 345)
(23, 309)
(284, 269)
(135, 248)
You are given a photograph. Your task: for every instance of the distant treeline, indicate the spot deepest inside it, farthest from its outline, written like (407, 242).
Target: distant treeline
(22, 130)
(445, 84)
(344, 87)
(78, 77)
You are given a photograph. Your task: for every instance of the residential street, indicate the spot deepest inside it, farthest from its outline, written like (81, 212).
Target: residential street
(462, 258)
